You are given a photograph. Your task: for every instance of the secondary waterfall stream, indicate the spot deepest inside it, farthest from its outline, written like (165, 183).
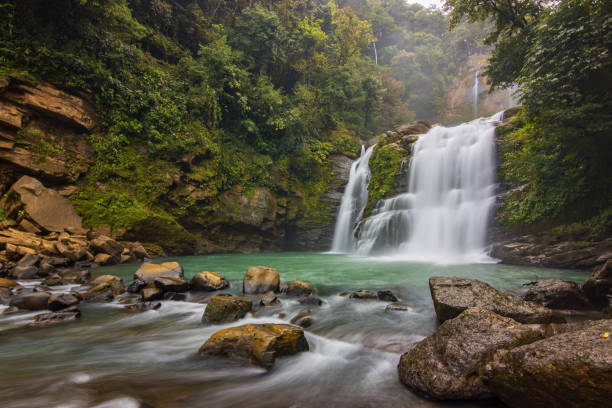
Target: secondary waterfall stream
(353, 203)
(443, 216)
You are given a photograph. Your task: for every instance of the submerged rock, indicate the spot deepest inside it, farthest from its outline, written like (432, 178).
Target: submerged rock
(299, 288)
(148, 271)
(303, 318)
(397, 307)
(105, 291)
(224, 309)
(208, 281)
(260, 279)
(310, 301)
(558, 294)
(572, 369)
(363, 294)
(259, 344)
(445, 366)
(63, 316)
(143, 306)
(451, 296)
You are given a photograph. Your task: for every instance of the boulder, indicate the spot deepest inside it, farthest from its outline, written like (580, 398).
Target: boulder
(451, 296)
(71, 251)
(363, 294)
(62, 301)
(171, 285)
(386, 296)
(397, 307)
(572, 369)
(103, 259)
(28, 260)
(104, 292)
(299, 288)
(260, 279)
(103, 279)
(46, 207)
(445, 365)
(599, 285)
(148, 271)
(225, 309)
(259, 344)
(136, 286)
(106, 245)
(25, 272)
(152, 293)
(143, 307)
(303, 318)
(8, 283)
(558, 294)
(269, 299)
(208, 281)
(63, 316)
(32, 301)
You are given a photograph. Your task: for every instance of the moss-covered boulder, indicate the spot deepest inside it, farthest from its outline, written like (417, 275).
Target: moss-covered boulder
(451, 296)
(225, 309)
(259, 344)
(446, 365)
(572, 369)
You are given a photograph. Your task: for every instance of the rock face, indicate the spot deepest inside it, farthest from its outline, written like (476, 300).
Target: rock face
(148, 271)
(451, 296)
(260, 279)
(551, 252)
(446, 365)
(558, 294)
(224, 309)
(44, 206)
(572, 369)
(259, 344)
(208, 281)
(598, 287)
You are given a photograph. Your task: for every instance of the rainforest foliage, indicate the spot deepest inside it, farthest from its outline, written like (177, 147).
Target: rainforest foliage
(558, 150)
(251, 93)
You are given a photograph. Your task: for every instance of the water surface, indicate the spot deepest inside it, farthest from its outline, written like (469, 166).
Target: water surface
(114, 358)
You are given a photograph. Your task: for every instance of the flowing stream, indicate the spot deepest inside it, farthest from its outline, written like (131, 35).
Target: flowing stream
(116, 358)
(443, 217)
(354, 201)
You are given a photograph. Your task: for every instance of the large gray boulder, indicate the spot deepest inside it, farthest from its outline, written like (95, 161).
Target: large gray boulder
(446, 365)
(46, 207)
(572, 369)
(558, 294)
(598, 287)
(451, 296)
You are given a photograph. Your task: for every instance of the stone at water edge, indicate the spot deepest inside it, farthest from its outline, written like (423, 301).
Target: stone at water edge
(558, 294)
(445, 365)
(303, 318)
(25, 272)
(310, 301)
(148, 271)
(62, 301)
(363, 294)
(8, 283)
(104, 292)
(34, 301)
(105, 278)
(225, 309)
(398, 307)
(299, 288)
(208, 281)
(452, 295)
(572, 369)
(386, 296)
(259, 344)
(269, 299)
(260, 279)
(136, 286)
(599, 285)
(151, 293)
(171, 285)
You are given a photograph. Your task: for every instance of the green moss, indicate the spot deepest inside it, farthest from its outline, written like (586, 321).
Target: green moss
(385, 165)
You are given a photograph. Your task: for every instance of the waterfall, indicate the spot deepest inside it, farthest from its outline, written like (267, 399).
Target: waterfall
(475, 91)
(451, 190)
(354, 201)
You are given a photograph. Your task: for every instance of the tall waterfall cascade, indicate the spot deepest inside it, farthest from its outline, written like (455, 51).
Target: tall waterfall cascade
(475, 92)
(443, 217)
(354, 201)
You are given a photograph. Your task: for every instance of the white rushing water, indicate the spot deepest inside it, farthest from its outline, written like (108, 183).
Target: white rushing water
(444, 215)
(353, 203)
